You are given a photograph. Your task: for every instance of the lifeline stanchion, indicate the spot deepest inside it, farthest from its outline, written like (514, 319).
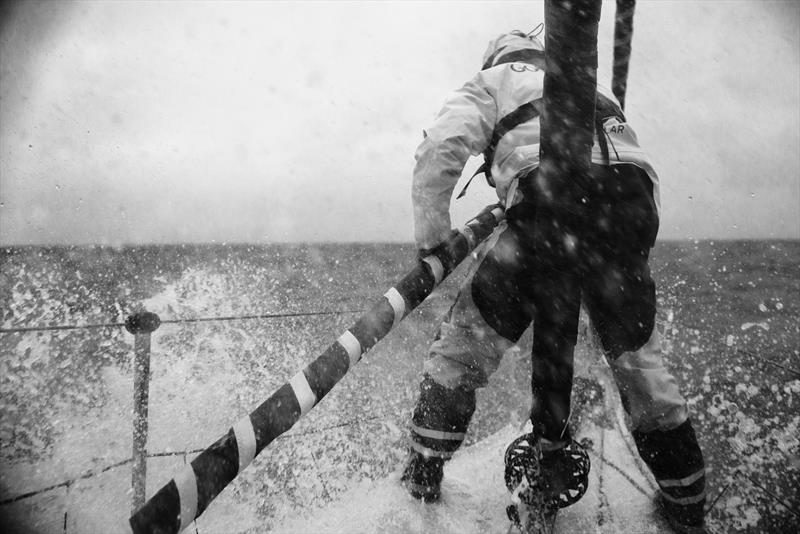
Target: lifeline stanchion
(141, 325)
(188, 494)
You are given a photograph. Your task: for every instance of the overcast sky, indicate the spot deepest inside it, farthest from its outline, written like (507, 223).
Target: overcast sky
(165, 122)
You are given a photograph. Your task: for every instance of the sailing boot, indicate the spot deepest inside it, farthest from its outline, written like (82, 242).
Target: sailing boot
(438, 428)
(680, 519)
(675, 458)
(422, 477)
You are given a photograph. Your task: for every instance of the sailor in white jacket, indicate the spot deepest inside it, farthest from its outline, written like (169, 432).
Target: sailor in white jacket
(497, 114)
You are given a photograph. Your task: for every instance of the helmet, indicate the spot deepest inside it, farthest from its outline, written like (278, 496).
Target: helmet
(515, 46)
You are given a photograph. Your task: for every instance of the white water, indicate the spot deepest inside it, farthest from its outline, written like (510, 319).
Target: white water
(325, 474)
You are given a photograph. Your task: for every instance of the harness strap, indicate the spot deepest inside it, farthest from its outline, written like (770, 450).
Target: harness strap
(605, 108)
(524, 113)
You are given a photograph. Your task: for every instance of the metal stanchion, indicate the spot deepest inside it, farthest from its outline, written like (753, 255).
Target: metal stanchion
(140, 324)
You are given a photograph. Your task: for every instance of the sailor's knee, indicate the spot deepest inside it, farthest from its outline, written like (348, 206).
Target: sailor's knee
(650, 392)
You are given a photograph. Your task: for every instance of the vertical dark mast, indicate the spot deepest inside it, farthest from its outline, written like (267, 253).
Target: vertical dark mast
(567, 132)
(623, 34)
(570, 84)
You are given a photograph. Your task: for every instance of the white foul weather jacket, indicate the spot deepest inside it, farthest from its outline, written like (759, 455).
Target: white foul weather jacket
(464, 128)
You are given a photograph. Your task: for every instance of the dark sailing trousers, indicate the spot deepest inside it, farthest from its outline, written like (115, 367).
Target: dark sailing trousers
(551, 258)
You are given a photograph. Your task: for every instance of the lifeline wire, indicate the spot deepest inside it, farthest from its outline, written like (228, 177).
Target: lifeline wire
(176, 321)
(120, 463)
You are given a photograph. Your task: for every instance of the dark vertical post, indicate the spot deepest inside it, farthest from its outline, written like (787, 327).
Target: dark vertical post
(141, 325)
(570, 85)
(567, 134)
(623, 35)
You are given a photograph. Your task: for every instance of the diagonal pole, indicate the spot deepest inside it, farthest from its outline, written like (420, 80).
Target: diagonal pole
(190, 492)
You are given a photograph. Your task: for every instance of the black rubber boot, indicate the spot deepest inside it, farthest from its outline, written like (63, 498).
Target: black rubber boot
(438, 427)
(675, 458)
(677, 517)
(422, 477)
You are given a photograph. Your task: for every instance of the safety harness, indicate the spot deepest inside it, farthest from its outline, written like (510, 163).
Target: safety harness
(524, 113)
(605, 109)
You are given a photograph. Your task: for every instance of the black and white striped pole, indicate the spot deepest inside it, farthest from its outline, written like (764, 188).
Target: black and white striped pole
(190, 492)
(141, 325)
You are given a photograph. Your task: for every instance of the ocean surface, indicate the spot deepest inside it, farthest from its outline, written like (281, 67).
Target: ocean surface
(729, 312)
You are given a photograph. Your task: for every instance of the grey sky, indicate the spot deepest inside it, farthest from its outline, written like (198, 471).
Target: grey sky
(162, 122)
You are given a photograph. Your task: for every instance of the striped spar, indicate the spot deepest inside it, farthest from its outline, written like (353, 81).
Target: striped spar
(189, 493)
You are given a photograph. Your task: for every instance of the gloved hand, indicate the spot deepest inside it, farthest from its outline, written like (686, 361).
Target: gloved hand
(488, 209)
(424, 252)
(450, 239)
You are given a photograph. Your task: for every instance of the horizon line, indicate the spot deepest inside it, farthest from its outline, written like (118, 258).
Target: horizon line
(344, 243)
